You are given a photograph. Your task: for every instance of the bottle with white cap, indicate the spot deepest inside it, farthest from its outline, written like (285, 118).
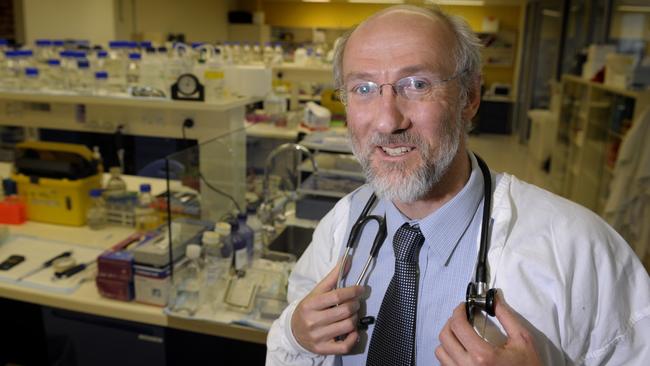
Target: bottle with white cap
(188, 288)
(223, 228)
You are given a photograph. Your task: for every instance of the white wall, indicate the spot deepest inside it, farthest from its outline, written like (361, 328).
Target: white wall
(200, 20)
(77, 19)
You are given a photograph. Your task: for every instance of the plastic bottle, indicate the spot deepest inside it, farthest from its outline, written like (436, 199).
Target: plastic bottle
(43, 50)
(115, 65)
(12, 73)
(257, 53)
(96, 214)
(189, 285)
(115, 184)
(214, 77)
(240, 251)
(84, 79)
(99, 62)
(101, 83)
(256, 226)
(223, 229)
(146, 218)
(31, 82)
(267, 54)
(247, 233)
(97, 155)
(133, 70)
(216, 269)
(52, 77)
(278, 55)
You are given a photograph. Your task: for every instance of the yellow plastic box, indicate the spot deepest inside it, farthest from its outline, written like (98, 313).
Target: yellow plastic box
(63, 200)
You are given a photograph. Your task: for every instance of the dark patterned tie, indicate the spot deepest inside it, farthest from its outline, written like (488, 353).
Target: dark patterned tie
(393, 339)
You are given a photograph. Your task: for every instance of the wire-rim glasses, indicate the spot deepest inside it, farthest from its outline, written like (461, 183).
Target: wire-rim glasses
(413, 88)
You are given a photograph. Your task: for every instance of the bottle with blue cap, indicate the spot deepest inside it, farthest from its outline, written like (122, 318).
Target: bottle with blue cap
(146, 217)
(84, 82)
(52, 77)
(96, 213)
(31, 82)
(101, 83)
(133, 70)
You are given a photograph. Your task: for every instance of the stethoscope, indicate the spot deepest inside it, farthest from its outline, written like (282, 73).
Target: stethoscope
(477, 298)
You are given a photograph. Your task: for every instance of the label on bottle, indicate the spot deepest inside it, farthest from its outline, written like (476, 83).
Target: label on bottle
(241, 259)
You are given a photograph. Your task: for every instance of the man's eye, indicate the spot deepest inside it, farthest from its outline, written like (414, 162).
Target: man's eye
(418, 84)
(363, 89)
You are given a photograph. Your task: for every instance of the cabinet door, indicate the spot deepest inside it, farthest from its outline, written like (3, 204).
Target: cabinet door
(82, 339)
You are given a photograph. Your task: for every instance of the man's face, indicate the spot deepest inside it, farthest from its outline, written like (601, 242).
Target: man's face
(405, 146)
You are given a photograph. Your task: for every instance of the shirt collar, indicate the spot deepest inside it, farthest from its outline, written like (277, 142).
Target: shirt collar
(444, 228)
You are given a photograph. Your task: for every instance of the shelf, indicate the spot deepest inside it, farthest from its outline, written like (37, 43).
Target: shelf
(125, 101)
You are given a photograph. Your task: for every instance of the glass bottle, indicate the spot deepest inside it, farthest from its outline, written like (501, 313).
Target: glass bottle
(146, 218)
(247, 233)
(240, 252)
(115, 184)
(96, 214)
(187, 289)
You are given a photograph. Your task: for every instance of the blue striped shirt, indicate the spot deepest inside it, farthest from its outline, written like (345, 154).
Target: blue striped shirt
(446, 260)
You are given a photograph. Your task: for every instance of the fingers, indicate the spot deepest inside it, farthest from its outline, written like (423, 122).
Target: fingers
(341, 347)
(511, 322)
(443, 357)
(465, 332)
(335, 297)
(329, 282)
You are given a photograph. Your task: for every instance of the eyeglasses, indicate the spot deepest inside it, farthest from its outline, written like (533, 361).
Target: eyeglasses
(414, 88)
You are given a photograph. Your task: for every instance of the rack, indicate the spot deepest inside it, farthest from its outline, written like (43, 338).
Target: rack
(594, 119)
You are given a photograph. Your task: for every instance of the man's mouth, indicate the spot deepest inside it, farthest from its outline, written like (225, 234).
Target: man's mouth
(396, 151)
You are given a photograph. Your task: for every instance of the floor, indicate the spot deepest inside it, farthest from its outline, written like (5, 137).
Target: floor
(504, 153)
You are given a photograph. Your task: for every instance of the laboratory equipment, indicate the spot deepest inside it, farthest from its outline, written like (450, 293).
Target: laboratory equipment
(115, 184)
(146, 217)
(54, 180)
(46, 264)
(216, 269)
(189, 285)
(248, 235)
(96, 214)
(240, 252)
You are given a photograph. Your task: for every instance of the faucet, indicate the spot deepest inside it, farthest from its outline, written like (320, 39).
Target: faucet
(266, 208)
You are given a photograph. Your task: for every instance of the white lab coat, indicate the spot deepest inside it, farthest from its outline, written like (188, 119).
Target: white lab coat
(628, 204)
(583, 293)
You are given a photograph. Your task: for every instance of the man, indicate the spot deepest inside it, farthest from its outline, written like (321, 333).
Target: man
(570, 290)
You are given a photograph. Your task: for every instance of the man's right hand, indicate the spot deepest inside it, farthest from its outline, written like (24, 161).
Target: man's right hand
(325, 314)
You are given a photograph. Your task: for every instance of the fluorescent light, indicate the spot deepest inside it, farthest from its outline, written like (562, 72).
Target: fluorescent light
(377, 1)
(551, 13)
(634, 8)
(457, 2)
(316, 1)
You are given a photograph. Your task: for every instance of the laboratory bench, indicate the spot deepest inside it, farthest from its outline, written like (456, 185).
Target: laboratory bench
(106, 331)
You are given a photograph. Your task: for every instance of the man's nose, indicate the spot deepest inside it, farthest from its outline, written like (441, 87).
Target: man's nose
(389, 111)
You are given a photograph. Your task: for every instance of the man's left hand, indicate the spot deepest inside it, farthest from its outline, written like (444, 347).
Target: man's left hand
(460, 345)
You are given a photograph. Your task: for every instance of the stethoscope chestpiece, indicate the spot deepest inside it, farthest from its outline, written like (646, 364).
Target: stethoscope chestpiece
(476, 298)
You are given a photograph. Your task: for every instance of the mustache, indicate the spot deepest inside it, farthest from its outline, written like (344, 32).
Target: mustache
(404, 138)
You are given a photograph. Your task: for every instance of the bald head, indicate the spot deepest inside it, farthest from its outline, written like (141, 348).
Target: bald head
(451, 36)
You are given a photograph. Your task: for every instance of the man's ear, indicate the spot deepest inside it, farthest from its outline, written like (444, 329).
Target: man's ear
(473, 99)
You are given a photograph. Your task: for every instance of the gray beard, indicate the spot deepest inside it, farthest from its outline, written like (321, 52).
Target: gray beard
(393, 181)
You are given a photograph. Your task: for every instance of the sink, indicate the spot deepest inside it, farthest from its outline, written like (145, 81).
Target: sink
(293, 239)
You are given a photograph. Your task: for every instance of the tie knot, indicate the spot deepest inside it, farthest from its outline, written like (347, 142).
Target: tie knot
(406, 241)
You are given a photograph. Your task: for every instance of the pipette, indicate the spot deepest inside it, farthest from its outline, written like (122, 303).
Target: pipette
(44, 265)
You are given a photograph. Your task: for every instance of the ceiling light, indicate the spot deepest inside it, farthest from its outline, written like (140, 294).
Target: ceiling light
(316, 1)
(457, 2)
(634, 8)
(377, 1)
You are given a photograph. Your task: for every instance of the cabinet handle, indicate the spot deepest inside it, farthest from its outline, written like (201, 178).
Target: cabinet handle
(150, 338)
